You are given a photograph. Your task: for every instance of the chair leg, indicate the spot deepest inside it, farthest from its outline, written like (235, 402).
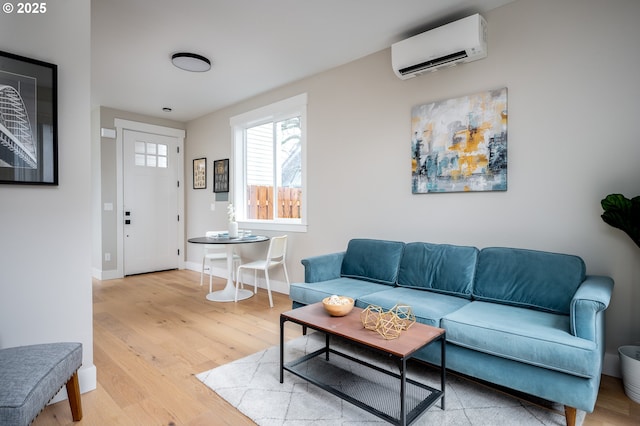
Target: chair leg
(286, 275)
(73, 393)
(210, 277)
(255, 281)
(266, 276)
(202, 271)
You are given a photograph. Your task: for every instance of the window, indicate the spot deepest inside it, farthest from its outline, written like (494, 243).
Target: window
(151, 154)
(269, 166)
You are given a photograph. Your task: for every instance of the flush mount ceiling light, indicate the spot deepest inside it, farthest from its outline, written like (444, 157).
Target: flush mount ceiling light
(191, 62)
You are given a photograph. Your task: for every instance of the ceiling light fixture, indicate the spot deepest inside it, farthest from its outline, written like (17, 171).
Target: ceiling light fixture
(191, 62)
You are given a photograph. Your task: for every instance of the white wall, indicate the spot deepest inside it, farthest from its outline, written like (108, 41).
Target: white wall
(45, 232)
(105, 191)
(571, 69)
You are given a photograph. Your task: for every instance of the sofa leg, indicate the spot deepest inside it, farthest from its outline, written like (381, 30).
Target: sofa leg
(73, 393)
(570, 415)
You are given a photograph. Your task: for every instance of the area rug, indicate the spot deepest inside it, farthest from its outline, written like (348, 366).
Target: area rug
(252, 385)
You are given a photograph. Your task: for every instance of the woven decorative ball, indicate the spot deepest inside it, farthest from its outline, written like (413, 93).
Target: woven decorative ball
(337, 306)
(389, 325)
(405, 315)
(370, 317)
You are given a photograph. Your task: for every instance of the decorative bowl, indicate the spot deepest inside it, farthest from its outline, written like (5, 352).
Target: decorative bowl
(337, 306)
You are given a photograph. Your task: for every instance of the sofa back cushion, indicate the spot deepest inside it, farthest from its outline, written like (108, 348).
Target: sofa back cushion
(372, 260)
(528, 278)
(442, 268)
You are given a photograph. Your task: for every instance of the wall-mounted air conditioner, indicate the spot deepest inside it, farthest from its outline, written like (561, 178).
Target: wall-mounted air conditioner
(464, 40)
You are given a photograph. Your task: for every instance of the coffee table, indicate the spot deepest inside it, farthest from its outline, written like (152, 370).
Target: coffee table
(368, 388)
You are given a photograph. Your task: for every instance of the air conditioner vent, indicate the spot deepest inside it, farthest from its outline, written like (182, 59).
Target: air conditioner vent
(434, 63)
(464, 40)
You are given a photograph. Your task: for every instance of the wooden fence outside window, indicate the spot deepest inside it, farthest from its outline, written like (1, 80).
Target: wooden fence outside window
(260, 202)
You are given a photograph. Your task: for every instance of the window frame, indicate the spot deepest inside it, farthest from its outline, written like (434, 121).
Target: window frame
(287, 108)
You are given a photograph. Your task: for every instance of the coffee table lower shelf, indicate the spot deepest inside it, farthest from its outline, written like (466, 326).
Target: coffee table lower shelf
(368, 386)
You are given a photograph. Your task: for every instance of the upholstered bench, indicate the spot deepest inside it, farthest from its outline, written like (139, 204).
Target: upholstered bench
(30, 376)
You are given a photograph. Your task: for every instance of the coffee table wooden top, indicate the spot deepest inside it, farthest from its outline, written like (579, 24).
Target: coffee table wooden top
(350, 327)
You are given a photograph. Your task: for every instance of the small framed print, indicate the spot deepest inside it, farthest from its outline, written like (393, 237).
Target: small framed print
(28, 121)
(221, 175)
(200, 173)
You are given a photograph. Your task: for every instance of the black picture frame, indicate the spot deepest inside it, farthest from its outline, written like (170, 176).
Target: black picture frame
(29, 123)
(221, 175)
(200, 173)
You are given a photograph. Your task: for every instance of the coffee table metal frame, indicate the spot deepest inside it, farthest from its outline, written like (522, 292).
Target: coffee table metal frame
(405, 417)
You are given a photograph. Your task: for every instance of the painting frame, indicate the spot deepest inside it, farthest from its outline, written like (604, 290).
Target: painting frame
(29, 139)
(221, 175)
(460, 144)
(200, 173)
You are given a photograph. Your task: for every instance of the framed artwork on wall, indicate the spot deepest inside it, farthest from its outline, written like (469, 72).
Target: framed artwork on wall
(460, 145)
(221, 175)
(200, 173)
(28, 121)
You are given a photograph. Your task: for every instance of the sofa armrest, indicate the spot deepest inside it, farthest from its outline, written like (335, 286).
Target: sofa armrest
(591, 298)
(323, 267)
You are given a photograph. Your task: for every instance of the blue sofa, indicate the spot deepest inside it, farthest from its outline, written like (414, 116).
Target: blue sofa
(527, 320)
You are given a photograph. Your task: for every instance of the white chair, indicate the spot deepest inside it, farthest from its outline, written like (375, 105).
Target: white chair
(215, 252)
(276, 255)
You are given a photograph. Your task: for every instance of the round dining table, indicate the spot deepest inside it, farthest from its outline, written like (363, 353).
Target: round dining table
(228, 293)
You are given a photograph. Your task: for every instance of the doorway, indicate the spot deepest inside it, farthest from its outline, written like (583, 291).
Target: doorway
(151, 197)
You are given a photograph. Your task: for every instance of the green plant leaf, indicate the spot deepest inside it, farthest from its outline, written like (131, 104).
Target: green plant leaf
(623, 213)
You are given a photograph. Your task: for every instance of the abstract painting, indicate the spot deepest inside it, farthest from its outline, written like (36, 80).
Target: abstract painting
(460, 145)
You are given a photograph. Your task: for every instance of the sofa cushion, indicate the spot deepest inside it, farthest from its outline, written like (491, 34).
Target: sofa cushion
(534, 337)
(528, 278)
(372, 260)
(442, 268)
(308, 293)
(427, 306)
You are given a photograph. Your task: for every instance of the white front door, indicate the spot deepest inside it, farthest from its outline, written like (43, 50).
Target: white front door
(150, 201)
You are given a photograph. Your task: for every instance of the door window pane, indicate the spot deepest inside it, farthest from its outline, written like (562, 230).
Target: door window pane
(140, 147)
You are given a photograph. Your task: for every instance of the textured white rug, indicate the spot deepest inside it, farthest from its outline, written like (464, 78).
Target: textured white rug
(252, 385)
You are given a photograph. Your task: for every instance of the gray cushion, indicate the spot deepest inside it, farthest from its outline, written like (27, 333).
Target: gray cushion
(31, 375)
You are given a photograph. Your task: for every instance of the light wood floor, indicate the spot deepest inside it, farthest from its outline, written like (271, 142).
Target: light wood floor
(153, 332)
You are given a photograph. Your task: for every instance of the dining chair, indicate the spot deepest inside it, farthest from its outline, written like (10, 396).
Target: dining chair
(276, 255)
(216, 252)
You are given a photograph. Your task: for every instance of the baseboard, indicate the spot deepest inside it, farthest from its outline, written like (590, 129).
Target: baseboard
(87, 378)
(105, 275)
(611, 365)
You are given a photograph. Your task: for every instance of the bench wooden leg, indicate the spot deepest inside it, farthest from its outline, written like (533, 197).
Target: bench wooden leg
(570, 415)
(73, 393)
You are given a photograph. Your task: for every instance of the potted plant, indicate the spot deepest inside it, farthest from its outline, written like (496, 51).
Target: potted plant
(624, 214)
